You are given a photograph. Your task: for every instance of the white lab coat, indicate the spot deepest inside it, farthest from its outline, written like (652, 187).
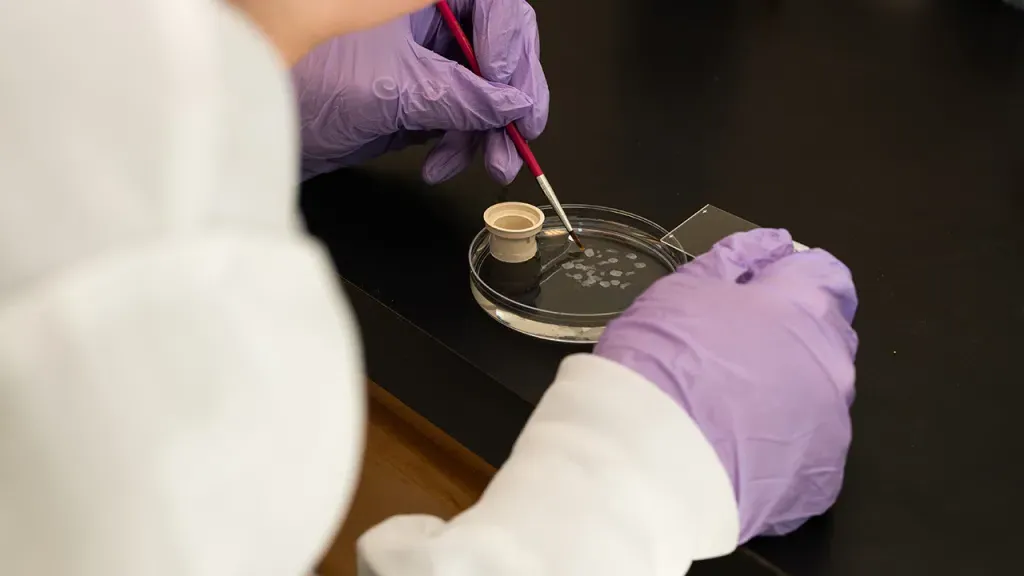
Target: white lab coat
(181, 388)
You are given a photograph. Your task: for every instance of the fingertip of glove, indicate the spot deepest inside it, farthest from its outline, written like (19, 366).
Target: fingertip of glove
(835, 277)
(741, 256)
(503, 175)
(443, 166)
(500, 158)
(436, 173)
(532, 125)
(512, 102)
(760, 243)
(502, 97)
(819, 265)
(822, 284)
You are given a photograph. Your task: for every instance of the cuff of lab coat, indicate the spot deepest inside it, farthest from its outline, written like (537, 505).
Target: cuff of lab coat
(663, 442)
(608, 477)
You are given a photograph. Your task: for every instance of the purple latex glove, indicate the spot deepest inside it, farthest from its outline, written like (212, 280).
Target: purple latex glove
(754, 341)
(371, 92)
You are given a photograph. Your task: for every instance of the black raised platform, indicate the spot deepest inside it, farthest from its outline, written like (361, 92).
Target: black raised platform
(890, 132)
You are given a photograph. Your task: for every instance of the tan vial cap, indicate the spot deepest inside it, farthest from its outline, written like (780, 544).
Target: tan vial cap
(513, 227)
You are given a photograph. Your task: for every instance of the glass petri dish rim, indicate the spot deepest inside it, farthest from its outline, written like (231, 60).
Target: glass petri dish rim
(550, 315)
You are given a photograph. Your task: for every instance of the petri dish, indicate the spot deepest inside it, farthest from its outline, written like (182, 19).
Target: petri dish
(565, 294)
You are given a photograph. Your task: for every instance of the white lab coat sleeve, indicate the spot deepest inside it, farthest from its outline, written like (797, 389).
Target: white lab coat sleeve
(181, 386)
(194, 406)
(609, 477)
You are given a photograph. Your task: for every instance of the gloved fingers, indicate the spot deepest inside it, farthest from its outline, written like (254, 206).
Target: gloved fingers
(500, 157)
(741, 257)
(442, 95)
(822, 287)
(507, 45)
(818, 277)
(452, 154)
(529, 78)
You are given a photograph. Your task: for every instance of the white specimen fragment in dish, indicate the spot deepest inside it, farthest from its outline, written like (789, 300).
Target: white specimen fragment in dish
(589, 252)
(616, 272)
(640, 265)
(615, 282)
(631, 256)
(605, 283)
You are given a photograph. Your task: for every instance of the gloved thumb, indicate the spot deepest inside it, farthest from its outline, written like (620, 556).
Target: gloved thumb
(447, 96)
(741, 257)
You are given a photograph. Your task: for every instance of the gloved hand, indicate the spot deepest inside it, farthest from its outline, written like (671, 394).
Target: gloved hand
(754, 342)
(368, 93)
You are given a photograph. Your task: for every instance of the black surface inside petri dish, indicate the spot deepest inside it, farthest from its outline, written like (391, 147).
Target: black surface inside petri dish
(605, 278)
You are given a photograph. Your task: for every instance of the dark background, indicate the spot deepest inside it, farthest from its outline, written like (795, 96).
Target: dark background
(890, 132)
